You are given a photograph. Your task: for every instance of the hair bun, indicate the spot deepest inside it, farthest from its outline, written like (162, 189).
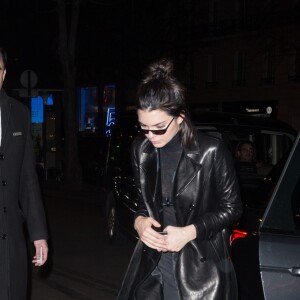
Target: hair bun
(161, 69)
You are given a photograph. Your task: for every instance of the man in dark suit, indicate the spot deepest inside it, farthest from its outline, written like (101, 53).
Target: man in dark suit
(20, 200)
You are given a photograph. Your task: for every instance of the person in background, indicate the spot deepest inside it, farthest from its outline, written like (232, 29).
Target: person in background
(245, 151)
(20, 199)
(247, 162)
(188, 196)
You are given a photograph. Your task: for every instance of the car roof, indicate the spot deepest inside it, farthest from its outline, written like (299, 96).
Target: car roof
(232, 119)
(218, 120)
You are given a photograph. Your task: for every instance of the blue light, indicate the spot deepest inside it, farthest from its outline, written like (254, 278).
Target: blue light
(49, 100)
(37, 110)
(110, 120)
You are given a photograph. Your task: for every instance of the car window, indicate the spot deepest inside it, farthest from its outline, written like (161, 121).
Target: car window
(270, 146)
(283, 214)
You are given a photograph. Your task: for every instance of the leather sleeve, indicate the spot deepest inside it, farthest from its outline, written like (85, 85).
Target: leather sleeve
(141, 208)
(228, 206)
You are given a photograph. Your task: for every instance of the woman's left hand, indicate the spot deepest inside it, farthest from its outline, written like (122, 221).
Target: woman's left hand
(178, 237)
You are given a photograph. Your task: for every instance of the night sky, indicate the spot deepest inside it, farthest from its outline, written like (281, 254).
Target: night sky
(116, 39)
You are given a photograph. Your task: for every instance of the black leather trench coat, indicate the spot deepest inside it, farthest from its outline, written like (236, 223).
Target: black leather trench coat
(206, 194)
(20, 198)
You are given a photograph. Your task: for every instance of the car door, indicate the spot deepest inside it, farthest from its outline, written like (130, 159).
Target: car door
(279, 243)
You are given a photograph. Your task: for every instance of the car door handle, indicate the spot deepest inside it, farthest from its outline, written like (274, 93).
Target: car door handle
(295, 271)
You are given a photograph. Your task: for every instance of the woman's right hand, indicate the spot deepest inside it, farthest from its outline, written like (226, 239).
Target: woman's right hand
(153, 239)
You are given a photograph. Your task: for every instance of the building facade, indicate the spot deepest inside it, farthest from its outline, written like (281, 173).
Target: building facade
(239, 53)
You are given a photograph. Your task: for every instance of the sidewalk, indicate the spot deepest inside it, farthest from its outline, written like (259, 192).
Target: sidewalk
(86, 188)
(62, 284)
(82, 264)
(41, 290)
(87, 192)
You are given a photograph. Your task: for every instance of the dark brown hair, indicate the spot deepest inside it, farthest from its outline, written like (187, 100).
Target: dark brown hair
(161, 90)
(3, 55)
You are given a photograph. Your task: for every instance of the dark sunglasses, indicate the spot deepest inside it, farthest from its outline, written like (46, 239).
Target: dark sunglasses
(156, 131)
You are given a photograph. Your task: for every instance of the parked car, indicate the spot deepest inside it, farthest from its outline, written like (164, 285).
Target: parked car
(279, 235)
(272, 139)
(118, 182)
(245, 237)
(255, 252)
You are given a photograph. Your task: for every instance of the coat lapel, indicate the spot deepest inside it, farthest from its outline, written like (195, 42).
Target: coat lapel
(150, 175)
(5, 115)
(188, 167)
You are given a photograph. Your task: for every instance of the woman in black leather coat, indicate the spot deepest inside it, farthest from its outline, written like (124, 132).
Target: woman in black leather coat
(188, 196)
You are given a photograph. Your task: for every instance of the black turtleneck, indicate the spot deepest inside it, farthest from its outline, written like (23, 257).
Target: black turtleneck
(169, 158)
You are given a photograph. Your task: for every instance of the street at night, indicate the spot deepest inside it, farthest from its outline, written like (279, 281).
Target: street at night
(82, 264)
(147, 115)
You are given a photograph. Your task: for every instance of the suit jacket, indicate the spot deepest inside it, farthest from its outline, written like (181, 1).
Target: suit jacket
(20, 199)
(206, 194)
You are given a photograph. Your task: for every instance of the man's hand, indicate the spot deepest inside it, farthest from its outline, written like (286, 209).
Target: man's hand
(38, 244)
(153, 239)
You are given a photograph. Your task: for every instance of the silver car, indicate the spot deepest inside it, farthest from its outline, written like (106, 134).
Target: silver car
(279, 241)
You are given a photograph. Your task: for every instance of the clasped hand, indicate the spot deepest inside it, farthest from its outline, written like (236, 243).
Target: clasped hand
(175, 239)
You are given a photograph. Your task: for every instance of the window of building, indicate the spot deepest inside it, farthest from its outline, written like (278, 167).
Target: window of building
(37, 110)
(294, 68)
(212, 11)
(269, 67)
(189, 72)
(239, 76)
(88, 109)
(212, 71)
(240, 9)
(213, 27)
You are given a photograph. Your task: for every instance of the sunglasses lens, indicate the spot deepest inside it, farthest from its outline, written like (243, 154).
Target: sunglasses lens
(144, 131)
(156, 132)
(159, 132)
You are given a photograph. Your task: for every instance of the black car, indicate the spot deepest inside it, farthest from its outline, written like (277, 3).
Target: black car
(118, 182)
(272, 139)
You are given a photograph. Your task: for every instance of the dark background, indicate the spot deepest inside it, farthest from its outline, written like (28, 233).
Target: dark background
(117, 39)
(114, 37)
